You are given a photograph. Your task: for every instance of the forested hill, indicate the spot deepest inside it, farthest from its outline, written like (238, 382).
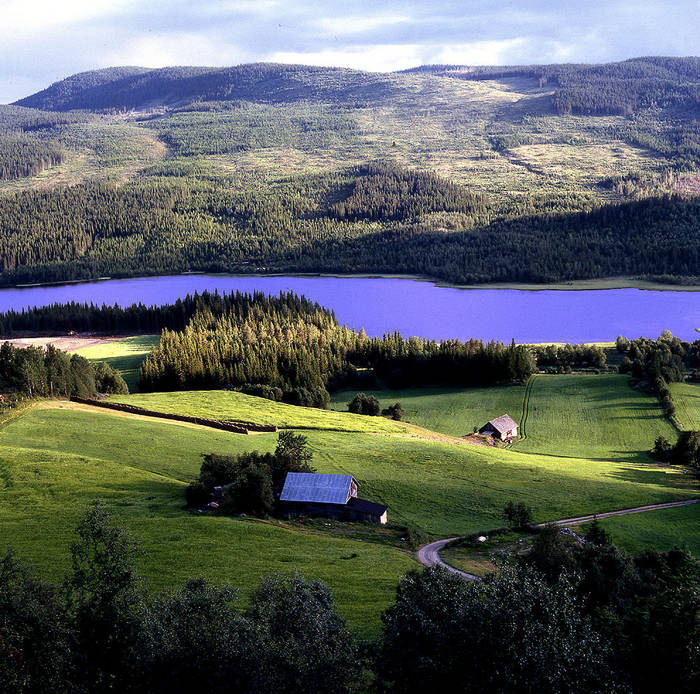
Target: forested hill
(137, 88)
(538, 173)
(614, 88)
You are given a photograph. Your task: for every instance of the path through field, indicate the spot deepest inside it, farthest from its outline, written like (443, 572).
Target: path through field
(429, 555)
(526, 407)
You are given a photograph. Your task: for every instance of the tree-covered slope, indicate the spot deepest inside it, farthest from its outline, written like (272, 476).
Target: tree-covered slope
(490, 174)
(134, 88)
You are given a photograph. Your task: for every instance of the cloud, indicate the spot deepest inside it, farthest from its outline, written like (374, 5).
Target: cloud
(371, 58)
(42, 41)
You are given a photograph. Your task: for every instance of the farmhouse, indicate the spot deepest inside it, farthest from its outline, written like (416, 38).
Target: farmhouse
(330, 496)
(502, 427)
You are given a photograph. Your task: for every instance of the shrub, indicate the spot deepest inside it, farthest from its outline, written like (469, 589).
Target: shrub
(262, 390)
(518, 514)
(197, 495)
(109, 380)
(364, 404)
(394, 411)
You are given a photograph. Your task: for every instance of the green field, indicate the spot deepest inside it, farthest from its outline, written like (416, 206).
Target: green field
(55, 457)
(686, 397)
(233, 406)
(597, 417)
(581, 416)
(124, 355)
(436, 486)
(660, 530)
(53, 462)
(454, 411)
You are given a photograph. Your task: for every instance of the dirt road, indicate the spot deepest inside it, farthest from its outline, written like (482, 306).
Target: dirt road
(429, 555)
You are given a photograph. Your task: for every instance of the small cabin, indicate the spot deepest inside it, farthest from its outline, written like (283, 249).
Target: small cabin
(328, 496)
(503, 428)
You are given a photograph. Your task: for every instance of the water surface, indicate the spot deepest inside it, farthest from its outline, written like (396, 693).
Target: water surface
(416, 307)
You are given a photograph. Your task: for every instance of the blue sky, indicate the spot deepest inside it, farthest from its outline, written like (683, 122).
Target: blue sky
(42, 41)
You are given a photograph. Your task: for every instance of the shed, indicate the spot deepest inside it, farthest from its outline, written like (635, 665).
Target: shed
(329, 496)
(503, 428)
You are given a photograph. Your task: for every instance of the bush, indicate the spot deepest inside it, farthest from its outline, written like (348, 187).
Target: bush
(251, 481)
(197, 495)
(394, 411)
(364, 404)
(109, 380)
(305, 397)
(687, 450)
(662, 447)
(518, 514)
(262, 390)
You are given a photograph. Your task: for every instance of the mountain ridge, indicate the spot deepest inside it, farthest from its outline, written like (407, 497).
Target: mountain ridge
(618, 88)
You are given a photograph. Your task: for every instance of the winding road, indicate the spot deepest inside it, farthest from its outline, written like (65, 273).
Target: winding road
(429, 555)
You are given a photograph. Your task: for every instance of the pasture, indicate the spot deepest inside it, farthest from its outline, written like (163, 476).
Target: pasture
(453, 411)
(579, 416)
(233, 406)
(438, 487)
(54, 462)
(589, 416)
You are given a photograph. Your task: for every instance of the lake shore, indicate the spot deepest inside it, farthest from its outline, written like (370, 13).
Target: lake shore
(572, 286)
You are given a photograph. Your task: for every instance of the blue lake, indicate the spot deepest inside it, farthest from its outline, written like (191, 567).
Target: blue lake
(422, 308)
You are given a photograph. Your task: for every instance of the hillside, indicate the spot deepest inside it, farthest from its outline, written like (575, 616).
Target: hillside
(57, 457)
(573, 171)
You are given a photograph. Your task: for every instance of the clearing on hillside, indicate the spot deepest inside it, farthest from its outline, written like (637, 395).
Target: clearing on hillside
(125, 355)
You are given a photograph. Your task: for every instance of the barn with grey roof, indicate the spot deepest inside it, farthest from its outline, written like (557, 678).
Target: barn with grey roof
(503, 428)
(329, 496)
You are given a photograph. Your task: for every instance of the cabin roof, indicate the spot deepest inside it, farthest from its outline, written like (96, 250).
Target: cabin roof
(503, 424)
(316, 487)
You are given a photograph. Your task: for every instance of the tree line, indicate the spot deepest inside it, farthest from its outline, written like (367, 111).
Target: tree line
(21, 157)
(174, 224)
(297, 346)
(565, 617)
(30, 372)
(660, 362)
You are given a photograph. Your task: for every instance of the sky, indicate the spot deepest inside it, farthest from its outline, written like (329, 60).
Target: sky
(43, 41)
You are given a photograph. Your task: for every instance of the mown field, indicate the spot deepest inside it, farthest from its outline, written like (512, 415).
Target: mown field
(686, 397)
(582, 416)
(124, 355)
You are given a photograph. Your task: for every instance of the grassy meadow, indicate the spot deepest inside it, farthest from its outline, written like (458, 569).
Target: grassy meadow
(581, 416)
(660, 530)
(686, 397)
(438, 487)
(233, 406)
(453, 411)
(124, 355)
(597, 417)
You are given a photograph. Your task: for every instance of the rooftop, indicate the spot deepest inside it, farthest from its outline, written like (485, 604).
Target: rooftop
(313, 486)
(503, 423)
